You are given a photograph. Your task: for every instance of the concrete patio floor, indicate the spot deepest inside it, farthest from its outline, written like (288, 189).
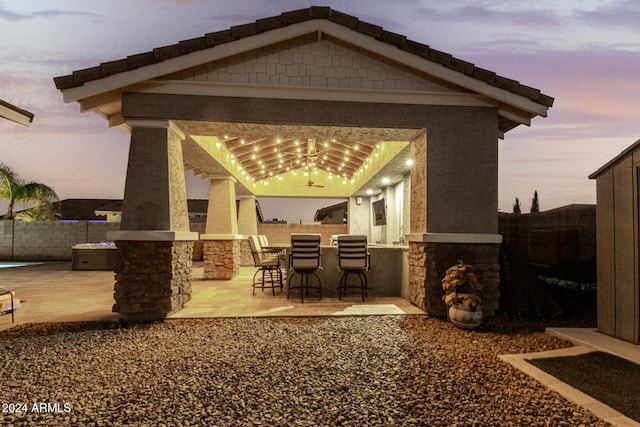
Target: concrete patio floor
(53, 292)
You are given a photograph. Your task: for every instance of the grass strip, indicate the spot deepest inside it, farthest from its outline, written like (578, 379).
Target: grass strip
(612, 380)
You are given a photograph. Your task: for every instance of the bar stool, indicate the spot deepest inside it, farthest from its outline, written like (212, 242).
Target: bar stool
(304, 259)
(13, 308)
(266, 263)
(353, 258)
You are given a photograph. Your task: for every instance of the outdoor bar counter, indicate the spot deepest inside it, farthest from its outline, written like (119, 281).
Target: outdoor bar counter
(387, 275)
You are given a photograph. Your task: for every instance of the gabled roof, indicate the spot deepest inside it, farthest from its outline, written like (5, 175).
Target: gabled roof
(615, 160)
(106, 69)
(392, 70)
(327, 210)
(15, 114)
(80, 209)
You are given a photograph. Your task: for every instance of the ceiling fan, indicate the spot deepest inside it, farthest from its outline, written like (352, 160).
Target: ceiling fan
(311, 156)
(313, 184)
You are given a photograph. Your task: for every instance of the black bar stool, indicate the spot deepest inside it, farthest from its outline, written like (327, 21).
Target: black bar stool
(304, 259)
(353, 258)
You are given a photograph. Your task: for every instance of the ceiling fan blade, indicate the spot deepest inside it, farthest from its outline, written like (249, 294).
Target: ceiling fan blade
(313, 184)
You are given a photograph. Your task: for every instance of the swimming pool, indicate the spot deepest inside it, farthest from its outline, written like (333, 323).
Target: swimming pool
(10, 264)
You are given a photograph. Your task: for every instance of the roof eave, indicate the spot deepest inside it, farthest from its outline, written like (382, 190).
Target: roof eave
(15, 114)
(615, 160)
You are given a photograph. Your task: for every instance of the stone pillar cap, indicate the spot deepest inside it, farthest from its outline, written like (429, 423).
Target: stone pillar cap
(152, 235)
(453, 238)
(221, 237)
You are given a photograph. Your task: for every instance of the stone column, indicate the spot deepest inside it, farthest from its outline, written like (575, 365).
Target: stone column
(431, 254)
(221, 248)
(247, 226)
(247, 217)
(454, 207)
(155, 246)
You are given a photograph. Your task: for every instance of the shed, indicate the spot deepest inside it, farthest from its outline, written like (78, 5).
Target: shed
(618, 188)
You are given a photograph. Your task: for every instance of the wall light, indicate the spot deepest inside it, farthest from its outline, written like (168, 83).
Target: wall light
(410, 162)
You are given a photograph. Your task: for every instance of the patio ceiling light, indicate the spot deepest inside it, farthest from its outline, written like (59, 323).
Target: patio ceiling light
(331, 154)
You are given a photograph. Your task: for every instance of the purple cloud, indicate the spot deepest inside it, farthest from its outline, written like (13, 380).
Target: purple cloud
(529, 18)
(619, 14)
(9, 15)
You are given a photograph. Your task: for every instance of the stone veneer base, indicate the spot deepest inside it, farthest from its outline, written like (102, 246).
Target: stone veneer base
(428, 263)
(222, 259)
(153, 279)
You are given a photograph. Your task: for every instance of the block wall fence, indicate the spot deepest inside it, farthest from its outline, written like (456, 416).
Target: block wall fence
(49, 241)
(52, 241)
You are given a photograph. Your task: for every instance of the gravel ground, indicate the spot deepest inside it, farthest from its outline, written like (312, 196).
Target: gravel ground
(355, 371)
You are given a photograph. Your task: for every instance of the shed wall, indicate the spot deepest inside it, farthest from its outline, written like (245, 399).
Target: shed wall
(606, 255)
(618, 284)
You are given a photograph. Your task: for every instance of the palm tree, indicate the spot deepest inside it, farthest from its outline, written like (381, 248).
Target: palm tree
(16, 190)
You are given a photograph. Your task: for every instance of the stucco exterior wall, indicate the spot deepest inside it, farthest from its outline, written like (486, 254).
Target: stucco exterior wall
(155, 195)
(458, 139)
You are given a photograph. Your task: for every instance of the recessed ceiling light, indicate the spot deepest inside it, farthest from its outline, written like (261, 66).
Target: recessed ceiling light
(369, 191)
(385, 180)
(410, 162)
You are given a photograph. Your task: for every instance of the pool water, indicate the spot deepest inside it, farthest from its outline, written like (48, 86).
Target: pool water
(4, 264)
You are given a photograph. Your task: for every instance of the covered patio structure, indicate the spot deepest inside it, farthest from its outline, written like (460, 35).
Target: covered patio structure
(310, 103)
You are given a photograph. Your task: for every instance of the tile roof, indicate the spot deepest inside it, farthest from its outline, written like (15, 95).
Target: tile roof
(626, 152)
(79, 77)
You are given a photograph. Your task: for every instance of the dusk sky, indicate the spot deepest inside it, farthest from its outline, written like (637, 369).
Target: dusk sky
(585, 54)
